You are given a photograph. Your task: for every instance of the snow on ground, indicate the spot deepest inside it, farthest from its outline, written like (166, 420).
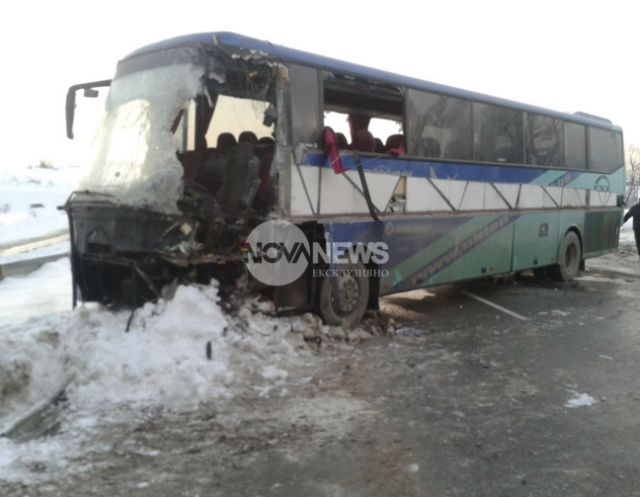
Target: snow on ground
(45, 291)
(29, 198)
(178, 354)
(626, 233)
(19, 253)
(580, 400)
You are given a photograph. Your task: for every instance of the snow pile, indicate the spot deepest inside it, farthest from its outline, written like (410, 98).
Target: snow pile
(52, 455)
(580, 400)
(31, 369)
(29, 198)
(177, 353)
(162, 359)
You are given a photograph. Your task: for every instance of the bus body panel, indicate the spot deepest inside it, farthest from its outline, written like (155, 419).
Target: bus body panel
(535, 240)
(440, 249)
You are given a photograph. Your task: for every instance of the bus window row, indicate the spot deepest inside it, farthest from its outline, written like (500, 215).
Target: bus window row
(438, 126)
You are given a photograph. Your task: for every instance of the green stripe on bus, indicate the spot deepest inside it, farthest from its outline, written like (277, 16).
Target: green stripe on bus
(418, 261)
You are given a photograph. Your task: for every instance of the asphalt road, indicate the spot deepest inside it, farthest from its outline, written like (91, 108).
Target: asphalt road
(465, 400)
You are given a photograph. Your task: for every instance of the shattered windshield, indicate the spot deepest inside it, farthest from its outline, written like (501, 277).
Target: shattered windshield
(133, 155)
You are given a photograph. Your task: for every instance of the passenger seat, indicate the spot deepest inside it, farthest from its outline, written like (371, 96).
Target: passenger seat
(395, 145)
(240, 179)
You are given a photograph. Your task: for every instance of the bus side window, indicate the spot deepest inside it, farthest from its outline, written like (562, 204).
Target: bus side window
(353, 107)
(575, 148)
(605, 150)
(430, 147)
(497, 134)
(544, 140)
(438, 126)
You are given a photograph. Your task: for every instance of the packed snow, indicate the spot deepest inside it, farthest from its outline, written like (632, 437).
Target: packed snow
(177, 354)
(580, 400)
(161, 360)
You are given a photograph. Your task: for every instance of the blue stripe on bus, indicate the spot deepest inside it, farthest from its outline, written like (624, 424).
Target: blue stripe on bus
(405, 237)
(436, 170)
(408, 237)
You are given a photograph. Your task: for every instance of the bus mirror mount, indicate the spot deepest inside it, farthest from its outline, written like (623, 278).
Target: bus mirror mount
(70, 109)
(89, 91)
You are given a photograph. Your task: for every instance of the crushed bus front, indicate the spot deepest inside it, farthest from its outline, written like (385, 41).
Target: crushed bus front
(182, 168)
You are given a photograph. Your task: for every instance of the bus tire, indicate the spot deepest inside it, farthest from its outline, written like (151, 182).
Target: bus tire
(569, 259)
(343, 300)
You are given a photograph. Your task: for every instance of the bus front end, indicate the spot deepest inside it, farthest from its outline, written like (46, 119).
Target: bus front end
(181, 169)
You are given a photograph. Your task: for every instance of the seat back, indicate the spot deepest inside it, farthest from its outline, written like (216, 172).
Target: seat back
(240, 179)
(395, 145)
(363, 141)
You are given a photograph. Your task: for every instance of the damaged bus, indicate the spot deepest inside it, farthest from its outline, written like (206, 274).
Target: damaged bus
(205, 137)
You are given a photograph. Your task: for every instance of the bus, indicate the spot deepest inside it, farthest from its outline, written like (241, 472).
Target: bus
(206, 137)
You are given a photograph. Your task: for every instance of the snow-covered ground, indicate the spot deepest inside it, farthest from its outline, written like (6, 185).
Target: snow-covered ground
(626, 234)
(176, 355)
(28, 297)
(29, 200)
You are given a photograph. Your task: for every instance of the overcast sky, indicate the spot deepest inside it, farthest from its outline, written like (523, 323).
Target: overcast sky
(564, 55)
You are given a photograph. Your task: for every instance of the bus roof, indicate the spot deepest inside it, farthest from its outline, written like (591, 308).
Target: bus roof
(285, 54)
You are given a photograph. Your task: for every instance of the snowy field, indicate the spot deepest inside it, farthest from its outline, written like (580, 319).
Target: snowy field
(29, 200)
(176, 355)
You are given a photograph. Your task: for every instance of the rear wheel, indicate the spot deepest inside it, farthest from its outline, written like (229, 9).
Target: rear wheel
(344, 295)
(569, 259)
